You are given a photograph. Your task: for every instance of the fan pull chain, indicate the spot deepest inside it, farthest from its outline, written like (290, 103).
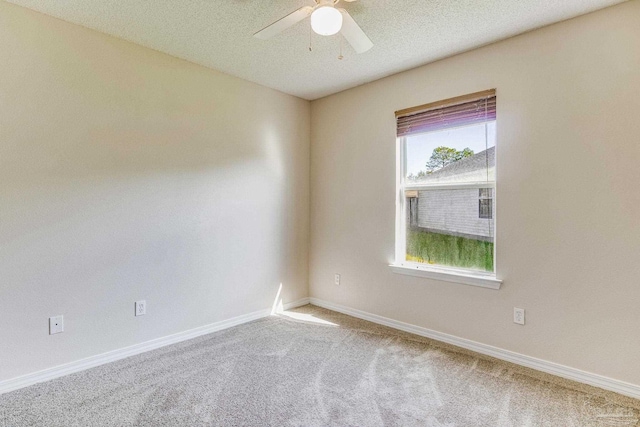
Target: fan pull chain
(310, 34)
(340, 56)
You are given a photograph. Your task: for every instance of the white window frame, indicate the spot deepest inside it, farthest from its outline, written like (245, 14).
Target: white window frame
(443, 273)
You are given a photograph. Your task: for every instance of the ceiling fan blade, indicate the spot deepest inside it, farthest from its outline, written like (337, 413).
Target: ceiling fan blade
(354, 34)
(284, 23)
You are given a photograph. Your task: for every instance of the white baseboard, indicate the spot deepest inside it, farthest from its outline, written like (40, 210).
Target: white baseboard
(296, 304)
(627, 389)
(596, 380)
(112, 356)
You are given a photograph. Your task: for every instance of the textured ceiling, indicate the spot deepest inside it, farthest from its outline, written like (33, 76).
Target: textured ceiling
(405, 33)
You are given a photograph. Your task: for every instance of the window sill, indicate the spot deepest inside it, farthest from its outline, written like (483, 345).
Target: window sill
(465, 278)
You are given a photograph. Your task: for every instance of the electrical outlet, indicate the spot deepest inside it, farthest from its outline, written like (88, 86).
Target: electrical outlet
(518, 315)
(141, 308)
(336, 279)
(56, 325)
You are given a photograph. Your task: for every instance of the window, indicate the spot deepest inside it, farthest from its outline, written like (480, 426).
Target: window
(446, 185)
(412, 208)
(485, 203)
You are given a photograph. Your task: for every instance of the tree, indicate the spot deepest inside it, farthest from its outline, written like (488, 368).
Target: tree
(417, 177)
(443, 156)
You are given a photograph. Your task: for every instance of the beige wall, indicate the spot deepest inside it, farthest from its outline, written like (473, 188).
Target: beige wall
(568, 214)
(126, 174)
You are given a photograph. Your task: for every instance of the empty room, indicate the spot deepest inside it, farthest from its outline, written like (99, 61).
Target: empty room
(319, 213)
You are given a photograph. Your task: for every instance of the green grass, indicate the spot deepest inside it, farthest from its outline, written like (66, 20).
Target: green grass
(442, 249)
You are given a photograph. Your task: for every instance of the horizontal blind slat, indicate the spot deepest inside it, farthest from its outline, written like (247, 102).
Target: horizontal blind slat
(465, 113)
(447, 102)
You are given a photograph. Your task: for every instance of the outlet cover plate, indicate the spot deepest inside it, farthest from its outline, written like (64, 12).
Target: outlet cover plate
(336, 279)
(56, 325)
(518, 315)
(141, 308)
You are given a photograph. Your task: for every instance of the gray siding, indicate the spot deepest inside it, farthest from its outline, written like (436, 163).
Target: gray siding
(453, 212)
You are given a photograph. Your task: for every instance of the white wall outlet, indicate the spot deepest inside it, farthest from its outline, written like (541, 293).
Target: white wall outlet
(56, 325)
(141, 308)
(336, 279)
(518, 315)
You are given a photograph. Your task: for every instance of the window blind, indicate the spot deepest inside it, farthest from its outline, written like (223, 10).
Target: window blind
(463, 110)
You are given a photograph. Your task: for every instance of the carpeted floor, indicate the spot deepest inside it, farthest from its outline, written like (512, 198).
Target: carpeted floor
(313, 367)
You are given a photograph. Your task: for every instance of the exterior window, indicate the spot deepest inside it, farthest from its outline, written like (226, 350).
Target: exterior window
(412, 208)
(446, 185)
(485, 203)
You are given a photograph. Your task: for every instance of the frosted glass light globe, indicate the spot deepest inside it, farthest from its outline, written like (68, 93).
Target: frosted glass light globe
(326, 20)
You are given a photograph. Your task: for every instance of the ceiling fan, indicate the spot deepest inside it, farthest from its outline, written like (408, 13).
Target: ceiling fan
(326, 20)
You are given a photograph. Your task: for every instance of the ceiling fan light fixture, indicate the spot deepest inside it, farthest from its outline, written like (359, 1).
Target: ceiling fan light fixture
(326, 20)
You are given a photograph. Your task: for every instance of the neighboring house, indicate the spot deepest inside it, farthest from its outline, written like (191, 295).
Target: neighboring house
(466, 212)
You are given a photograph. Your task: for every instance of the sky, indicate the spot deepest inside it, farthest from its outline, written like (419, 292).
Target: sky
(420, 147)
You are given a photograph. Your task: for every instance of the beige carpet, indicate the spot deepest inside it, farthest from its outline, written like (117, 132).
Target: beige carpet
(313, 367)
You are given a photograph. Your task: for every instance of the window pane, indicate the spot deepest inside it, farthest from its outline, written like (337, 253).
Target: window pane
(485, 210)
(445, 228)
(447, 225)
(485, 193)
(464, 154)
